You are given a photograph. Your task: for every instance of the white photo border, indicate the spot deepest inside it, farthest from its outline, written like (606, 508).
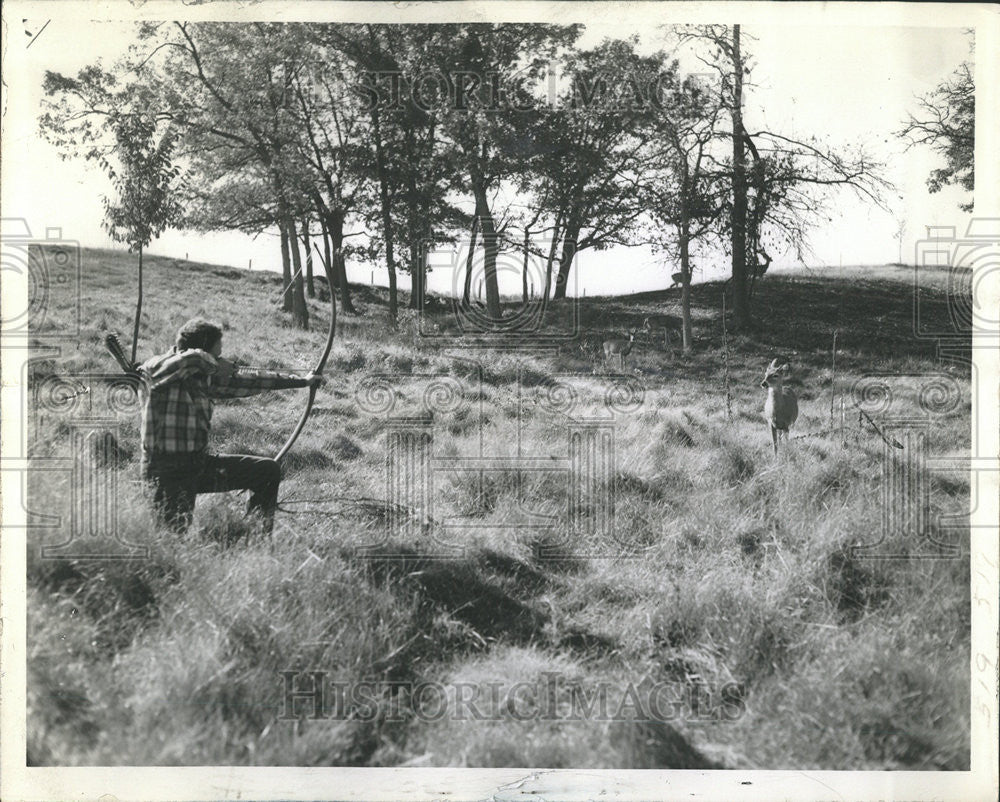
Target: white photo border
(20, 782)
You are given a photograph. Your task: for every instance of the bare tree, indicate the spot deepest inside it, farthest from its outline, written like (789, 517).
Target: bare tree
(782, 193)
(946, 122)
(899, 234)
(683, 184)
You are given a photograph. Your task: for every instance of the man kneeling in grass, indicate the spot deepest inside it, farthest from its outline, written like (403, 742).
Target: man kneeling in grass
(177, 418)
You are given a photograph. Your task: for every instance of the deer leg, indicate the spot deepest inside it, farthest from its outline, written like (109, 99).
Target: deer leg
(774, 440)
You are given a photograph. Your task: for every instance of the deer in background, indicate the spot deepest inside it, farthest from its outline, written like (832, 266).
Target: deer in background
(782, 406)
(676, 279)
(666, 329)
(620, 347)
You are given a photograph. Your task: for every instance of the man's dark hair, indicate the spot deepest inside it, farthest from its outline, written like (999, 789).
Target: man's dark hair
(198, 333)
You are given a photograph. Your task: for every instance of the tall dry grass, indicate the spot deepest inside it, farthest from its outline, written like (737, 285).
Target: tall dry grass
(728, 576)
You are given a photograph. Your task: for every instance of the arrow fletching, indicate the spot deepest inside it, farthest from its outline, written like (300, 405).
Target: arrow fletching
(114, 346)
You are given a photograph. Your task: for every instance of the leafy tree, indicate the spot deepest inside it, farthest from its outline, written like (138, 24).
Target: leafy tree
(223, 88)
(331, 144)
(95, 116)
(591, 149)
(486, 137)
(143, 181)
(405, 199)
(228, 88)
(946, 121)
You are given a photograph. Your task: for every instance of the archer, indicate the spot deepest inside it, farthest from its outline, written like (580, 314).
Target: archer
(177, 418)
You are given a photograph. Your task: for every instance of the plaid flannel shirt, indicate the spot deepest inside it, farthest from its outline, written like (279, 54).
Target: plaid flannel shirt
(179, 388)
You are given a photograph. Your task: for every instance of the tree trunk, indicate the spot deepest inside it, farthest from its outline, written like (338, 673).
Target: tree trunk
(138, 311)
(345, 289)
(687, 338)
(553, 246)
(383, 189)
(566, 259)
(310, 285)
(469, 259)
(425, 196)
(300, 312)
(416, 276)
(524, 269)
(490, 246)
(412, 215)
(425, 245)
(327, 255)
(286, 268)
(390, 263)
(335, 223)
(741, 303)
(346, 305)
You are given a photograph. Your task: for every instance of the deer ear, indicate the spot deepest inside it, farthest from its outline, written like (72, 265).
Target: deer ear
(785, 369)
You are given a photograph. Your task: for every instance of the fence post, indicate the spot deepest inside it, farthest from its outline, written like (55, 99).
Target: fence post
(725, 355)
(833, 374)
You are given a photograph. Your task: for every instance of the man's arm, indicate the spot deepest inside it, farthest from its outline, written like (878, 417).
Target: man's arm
(232, 381)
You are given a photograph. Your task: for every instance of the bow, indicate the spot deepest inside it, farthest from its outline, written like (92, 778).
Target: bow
(318, 370)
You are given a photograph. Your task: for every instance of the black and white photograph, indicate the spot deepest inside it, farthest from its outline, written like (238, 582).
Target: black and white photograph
(469, 400)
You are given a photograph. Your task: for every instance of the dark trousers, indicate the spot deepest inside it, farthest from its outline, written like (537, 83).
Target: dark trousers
(176, 480)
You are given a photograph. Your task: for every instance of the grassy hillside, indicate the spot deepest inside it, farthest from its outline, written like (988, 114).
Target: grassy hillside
(727, 580)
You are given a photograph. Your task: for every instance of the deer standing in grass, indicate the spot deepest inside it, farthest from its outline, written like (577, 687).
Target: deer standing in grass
(781, 407)
(666, 329)
(620, 347)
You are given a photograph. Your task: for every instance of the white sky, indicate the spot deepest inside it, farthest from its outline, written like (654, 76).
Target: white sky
(847, 84)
